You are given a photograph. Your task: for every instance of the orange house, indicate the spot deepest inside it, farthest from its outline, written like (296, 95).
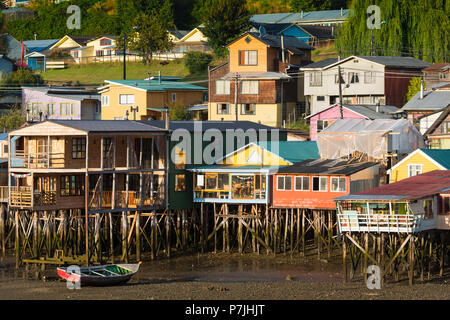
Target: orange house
(313, 184)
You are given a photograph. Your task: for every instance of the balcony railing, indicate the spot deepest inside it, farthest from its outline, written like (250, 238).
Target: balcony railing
(44, 198)
(20, 197)
(43, 160)
(134, 200)
(3, 194)
(357, 222)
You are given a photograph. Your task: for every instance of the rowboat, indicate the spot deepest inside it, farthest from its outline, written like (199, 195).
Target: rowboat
(104, 275)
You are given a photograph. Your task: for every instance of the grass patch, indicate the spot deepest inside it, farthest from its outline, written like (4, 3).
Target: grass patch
(324, 53)
(97, 73)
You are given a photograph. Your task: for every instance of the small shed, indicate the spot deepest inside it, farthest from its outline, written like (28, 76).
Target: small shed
(36, 61)
(375, 138)
(313, 183)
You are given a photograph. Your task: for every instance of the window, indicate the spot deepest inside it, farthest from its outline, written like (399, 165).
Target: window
(336, 78)
(222, 86)
(428, 209)
(445, 127)
(51, 109)
(322, 124)
(108, 52)
(284, 183)
(320, 98)
(105, 42)
(34, 108)
(414, 169)
(126, 99)
(369, 77)
(248, 57)
(223, 108)
(72, 185)
(67, 109)
(320, 183)
(338, 184)
(174, 97)
(75, 54)
(99, 53)
(107, 147)
(105, 101)
(444, 206)
(79, 148)
(5, 149)
(353, 77)
(180, 182)
(97, 108)
(315, 79)
(302, 183)
(248, 108)
(249, 87)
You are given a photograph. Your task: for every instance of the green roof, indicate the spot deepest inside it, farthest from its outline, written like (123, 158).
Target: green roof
(155, 85)
(441, 156)
(293, 151)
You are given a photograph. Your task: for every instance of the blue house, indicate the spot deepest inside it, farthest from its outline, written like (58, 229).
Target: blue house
(6, 66)
(11, 47)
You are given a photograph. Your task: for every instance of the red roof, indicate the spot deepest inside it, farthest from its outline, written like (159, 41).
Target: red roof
(416, 187)
(436, 66)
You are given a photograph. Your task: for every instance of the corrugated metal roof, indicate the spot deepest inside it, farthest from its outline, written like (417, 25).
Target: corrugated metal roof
(415, 187)
(432, 100)
(191, 126)
(321, 64)
(3, 136)
(257, 75)
(108, 125)
(391, 61)
(297, 17)
(326, 167)
(368, 111)
(156, 85)
(442, 156)
(39, 45)
(77, 97)
(275, 41)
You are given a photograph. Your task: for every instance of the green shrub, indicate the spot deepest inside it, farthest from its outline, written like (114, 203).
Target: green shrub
(197, 61)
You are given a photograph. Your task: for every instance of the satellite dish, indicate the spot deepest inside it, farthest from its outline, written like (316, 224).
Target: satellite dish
(262, 31)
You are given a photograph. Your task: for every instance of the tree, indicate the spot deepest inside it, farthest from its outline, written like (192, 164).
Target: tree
(223, 21)
(314, 5)
(178, 113)
(21, 77)
(12, 119)
(414, 87)
(197, 61)
(149, 37)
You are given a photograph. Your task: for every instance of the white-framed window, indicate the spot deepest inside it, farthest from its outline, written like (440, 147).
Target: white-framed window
(222, 86)
(322, 124)
(301, 183)
(315, 79)
(445, 127)
(414, 169)
(34, 108)
(248, 109)
(248, 57)
(51, 110)
(126, 99)
(249, 87)
(336, 78)
(320, 184)
(353, 77)
(174, 97)
(67, 109)
(105, 101)
(338, 184)
(223, 108)
(284, 183)
(369, 77)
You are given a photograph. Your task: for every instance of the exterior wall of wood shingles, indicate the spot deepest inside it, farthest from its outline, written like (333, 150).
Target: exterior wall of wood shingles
(438, 139)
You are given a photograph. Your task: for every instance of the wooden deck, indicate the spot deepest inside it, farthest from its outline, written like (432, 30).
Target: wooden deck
(4, 194)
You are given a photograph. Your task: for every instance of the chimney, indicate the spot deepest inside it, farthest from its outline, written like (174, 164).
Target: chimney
(166, 118)
(282, 48)
(342, 12)
(421, 89)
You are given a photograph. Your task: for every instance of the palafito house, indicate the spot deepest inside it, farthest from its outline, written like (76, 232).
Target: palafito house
(420, 161)
(438, 134)
(151, 97)
(265, 68)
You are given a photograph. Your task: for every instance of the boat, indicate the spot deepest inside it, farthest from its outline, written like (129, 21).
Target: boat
(104, 275)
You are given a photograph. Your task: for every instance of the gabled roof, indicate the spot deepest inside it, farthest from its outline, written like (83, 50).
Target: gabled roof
(155, 85)
(80, 40)
(438, 121)
(107, 125)
(436, 156)
(437, 66)
(416, 187)
(274, 41)
(367, 111)
(292, 151)
(387, 61)
(432, 100)
(326, 167)
(305, 17)
(39, 45)
(320, 32)
(179, 34)
(273, 28)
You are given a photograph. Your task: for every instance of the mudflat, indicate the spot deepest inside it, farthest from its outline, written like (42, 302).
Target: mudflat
(224, 277)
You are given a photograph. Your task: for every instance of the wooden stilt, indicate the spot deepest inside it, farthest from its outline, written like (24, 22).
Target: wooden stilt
(344, 258)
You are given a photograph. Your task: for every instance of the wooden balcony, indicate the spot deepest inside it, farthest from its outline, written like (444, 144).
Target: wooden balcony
(37, 160)
(353, 221)
(3, 194)
(134, 200)
(21, 197)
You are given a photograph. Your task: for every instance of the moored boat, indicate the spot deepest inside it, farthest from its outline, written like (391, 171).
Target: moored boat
(103, 275)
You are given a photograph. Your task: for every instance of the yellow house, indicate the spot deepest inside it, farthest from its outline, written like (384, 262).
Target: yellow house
(193, 40)
(148, 96)
(67, 43)
(418, 162)
(260, 81)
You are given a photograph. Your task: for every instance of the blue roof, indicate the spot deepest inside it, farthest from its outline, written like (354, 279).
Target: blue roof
(3, 136)
(323, 15)
(39, 45)
(441, 156)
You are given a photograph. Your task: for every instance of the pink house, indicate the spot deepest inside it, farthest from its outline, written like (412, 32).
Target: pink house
(322, 119)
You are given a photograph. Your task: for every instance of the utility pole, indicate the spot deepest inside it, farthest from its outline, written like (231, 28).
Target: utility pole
(236, 91)
(134, 110)
(125, 57)
(340, 93)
